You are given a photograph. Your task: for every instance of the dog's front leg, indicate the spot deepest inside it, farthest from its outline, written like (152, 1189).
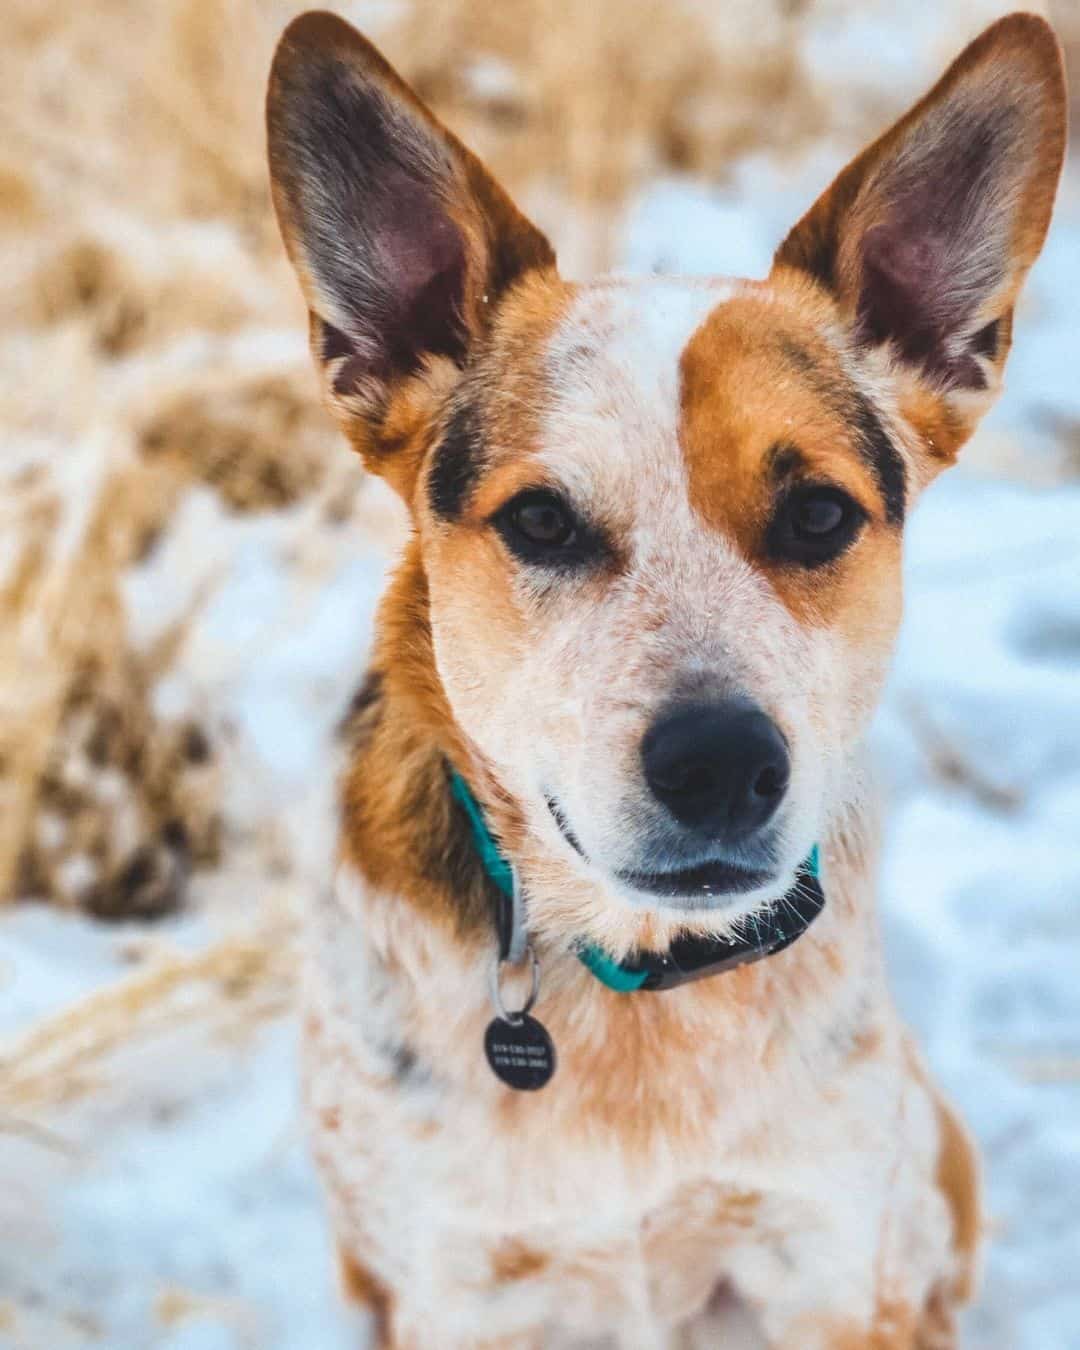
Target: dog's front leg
(871, 1243)
(827, 1291)
(391, 1324)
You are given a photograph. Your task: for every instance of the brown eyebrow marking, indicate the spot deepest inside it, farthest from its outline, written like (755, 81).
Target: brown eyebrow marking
(875, 445)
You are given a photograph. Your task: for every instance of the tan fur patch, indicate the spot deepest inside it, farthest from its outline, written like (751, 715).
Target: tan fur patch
(397, 774)
(895, 1328)
(759, 380)
(757, 376)
(512, 381)
(516, 1260)
(361, 1287)
(958, 1178)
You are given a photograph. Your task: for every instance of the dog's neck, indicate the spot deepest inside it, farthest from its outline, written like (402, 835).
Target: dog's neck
(407, 835)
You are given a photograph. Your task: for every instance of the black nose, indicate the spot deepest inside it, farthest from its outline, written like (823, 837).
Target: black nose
(718, 767)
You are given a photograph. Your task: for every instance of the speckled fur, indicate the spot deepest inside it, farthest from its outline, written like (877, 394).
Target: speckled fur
(760, 1158)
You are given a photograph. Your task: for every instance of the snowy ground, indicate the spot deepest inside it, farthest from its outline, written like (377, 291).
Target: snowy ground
(175, 1207)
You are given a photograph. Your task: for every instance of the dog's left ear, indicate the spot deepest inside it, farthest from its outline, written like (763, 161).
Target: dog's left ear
(925, 239)
(403, 242)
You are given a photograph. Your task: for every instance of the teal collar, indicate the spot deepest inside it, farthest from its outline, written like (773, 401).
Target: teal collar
(688, 958)
(495, 865)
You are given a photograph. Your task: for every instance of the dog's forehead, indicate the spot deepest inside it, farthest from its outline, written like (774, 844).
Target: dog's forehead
(613, 375)
(665, 393)
(633, 333)
(663, 383)
(631, 366)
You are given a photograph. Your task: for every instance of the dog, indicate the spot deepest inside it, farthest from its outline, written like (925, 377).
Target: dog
(597, 1040)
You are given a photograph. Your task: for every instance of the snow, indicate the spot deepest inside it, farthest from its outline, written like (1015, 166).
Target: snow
(179, 1210)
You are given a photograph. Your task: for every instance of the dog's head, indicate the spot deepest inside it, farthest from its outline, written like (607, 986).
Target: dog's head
(660, 521)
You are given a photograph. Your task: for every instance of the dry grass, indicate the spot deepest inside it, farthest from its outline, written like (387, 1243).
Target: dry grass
(229, 989)
(138, 246)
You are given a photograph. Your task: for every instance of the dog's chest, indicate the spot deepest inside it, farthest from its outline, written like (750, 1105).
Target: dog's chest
(483, 1219)
(620, 1186)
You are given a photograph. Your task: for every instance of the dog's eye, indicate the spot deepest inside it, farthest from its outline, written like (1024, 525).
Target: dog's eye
(539, 527)
(543, 520)
(814, 525)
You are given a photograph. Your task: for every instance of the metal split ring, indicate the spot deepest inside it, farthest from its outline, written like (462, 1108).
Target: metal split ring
(514, 1018)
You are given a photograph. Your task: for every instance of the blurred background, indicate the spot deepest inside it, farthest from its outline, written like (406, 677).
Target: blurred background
(189, 559)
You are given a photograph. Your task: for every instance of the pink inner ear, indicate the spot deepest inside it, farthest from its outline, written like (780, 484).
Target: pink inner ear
(422, 257)
(909, 295)
(415, 257)
(938, 252)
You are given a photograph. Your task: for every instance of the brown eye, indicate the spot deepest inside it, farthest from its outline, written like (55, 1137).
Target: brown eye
(543, 521)
(818, 513)
(814, 525)
(540, 527)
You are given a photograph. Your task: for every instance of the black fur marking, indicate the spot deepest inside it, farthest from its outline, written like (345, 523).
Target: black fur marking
(449, 858)
(362, 715)
(875, 445)
(812, 246)
(832, 386)
(985, 341)
(402, 1061)
(797, 354)
(820, 260)
(456, 463)
(883, 457)
(405, 1063)
(335, 343)
(785, 462)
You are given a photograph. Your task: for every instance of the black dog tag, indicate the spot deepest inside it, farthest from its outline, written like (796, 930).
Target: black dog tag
(520, 1053)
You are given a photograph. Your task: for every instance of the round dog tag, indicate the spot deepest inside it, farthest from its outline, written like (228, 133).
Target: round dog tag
(520, 1052)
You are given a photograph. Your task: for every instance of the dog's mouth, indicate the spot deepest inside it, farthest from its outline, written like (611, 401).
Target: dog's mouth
(704, 883)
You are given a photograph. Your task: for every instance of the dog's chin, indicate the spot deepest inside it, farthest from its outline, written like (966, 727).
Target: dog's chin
(712, 884)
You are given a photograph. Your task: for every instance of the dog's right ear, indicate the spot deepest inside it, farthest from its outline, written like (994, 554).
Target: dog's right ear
(401, 238)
